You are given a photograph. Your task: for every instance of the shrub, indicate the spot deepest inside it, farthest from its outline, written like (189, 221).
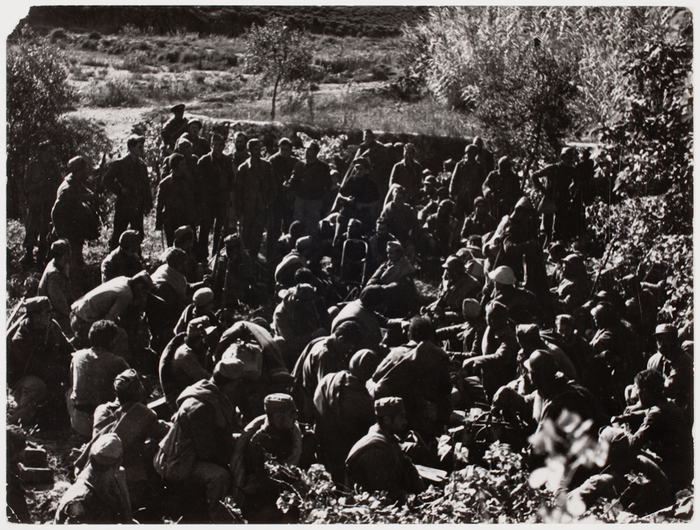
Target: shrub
(95, 35)
(58, 34)
(112, 93)
(37, 95)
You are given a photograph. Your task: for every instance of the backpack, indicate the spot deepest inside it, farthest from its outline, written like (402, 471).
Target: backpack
(175, 456)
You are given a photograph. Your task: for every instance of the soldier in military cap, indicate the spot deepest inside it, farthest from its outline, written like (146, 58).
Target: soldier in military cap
(376, 461)
(127, 178)
(216, 173)
(55, 283)
(38, 356)
(74, 214)
(125, 260)
(174, 127)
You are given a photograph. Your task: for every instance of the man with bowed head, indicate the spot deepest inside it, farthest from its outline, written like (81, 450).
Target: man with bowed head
(376, 461)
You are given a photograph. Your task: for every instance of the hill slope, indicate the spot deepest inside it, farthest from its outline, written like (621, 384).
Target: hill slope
(373, 21)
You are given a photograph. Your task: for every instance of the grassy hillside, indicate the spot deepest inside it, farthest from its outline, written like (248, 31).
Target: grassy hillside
(377, 21)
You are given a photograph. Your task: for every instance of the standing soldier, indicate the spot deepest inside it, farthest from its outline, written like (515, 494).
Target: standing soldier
(310, 181)
(254, 196)
(283, 163)
(556, 200)
(381, 159)
(409, 174)
(240, 153)
(127, 178)
(175, 206)
(74, 214)
(41, 181)
(216, 177)
(465, 185)
(200, 146)
(174, 127)
(55, 284)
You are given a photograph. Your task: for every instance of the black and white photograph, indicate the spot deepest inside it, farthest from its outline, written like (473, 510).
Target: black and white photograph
(349, 264)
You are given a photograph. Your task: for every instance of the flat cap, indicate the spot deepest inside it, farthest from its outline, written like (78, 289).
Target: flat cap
(279, 403)
(183, 231)
(177, 108)
(195, 122)
(503, 275)
(394, 245)
(453, 264)
(284, 141)
(480, 200)
(37, 304)
(107, 450)
(217, 138)
(203, 296)
(666, 329)
(389, 406)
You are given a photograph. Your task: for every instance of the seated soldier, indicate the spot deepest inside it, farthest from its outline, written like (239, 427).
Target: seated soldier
(100, 494)
(272, 437)
(298, 319)
(658, 430)
(199, 446)
(628, 478)
(496, 363)
(324, 356)
(553, 393)
(234, 276)
(170, 284)
(182, 362)
(376, 461)
(138, 429)
(523, 306)
(443, 230)
(676, 366)
(265, 371)
(92, 376)
(419, 373)
(201, 306)
(344, 411)
(395, 277)
(125, 260)
(456, 285)
(38, 356)
(479, 222)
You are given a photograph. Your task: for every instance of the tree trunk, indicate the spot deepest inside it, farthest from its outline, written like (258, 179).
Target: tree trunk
(274, 98)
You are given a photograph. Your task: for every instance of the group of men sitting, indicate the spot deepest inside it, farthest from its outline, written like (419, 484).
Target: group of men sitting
(323, 348)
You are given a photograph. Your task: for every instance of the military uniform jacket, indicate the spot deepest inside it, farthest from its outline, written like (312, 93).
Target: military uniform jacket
(127, 178)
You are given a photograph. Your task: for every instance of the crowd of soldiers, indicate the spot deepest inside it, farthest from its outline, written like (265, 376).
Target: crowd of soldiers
(320, 346)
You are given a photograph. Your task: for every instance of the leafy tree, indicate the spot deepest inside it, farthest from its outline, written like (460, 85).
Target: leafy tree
(37, 96)
(281, 55)
(502, 67)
